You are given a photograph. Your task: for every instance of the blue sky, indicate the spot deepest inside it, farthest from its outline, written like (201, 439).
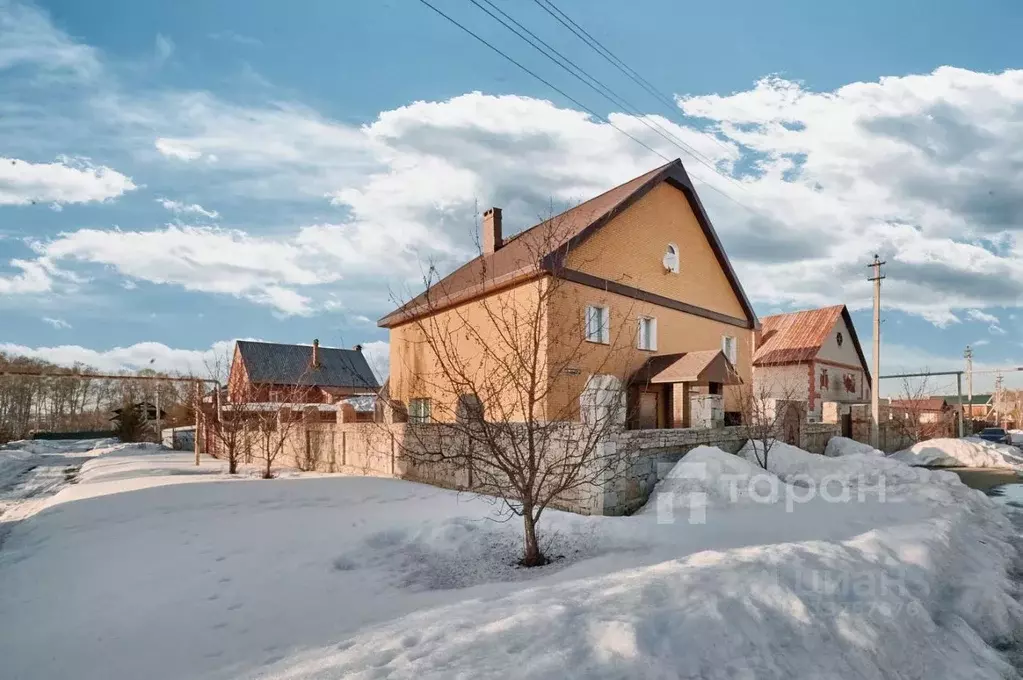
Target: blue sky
(177, 175)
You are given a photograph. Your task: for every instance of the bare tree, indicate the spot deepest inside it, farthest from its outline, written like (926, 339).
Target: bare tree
(271, 425)
(910, 416)
(512, 393)
(230, 427)
(771, 409)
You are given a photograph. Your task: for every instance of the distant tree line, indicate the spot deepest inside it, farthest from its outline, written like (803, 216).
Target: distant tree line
(71, 403)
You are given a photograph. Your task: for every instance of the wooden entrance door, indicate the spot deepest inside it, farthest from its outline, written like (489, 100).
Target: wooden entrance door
(648, 408)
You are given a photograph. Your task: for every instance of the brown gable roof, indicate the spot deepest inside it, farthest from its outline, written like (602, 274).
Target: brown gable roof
(925, 404)
(709, 365)
(516, 261)
(798, 336)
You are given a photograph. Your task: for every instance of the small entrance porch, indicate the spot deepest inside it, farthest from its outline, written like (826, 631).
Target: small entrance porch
(679, 390)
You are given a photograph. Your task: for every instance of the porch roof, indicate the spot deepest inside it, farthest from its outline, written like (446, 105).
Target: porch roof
(705, 366)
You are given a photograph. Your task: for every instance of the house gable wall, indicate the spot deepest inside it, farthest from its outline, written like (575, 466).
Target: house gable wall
(844, 353)
(630, 250)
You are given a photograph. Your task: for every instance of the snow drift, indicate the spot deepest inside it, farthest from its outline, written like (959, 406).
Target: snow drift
(965, 452)
(364, 577)
(843, 446)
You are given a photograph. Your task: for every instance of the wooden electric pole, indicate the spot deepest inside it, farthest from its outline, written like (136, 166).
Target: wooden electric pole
(968, 354)
(875, 397)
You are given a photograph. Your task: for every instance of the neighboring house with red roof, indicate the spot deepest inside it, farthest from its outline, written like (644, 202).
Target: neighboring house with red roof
(923, 410)
(641, 262)
(812, 355)
(310, 374)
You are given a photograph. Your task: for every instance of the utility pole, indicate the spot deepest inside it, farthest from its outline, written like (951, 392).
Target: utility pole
(875, 399)
(997, 399)
(968, 355)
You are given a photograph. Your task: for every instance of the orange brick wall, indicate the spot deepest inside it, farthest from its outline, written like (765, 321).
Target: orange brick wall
(676, 332)
(630, 249)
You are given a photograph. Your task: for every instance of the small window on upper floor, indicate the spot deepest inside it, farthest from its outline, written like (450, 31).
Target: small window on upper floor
(598, 324)
(647, 336)
(728, 348)
(839, 338)
(419, 411)
(671, 259)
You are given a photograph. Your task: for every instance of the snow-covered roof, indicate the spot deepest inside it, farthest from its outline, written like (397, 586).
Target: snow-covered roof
(362, 403)
(276, 406)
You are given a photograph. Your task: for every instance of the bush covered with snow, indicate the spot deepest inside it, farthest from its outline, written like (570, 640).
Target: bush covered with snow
(965, 452)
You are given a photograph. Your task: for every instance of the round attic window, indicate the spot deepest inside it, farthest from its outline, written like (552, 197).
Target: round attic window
(839, 338)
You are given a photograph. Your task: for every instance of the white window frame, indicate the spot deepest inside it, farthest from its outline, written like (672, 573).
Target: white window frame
(651, 344)
(729, 348)
(672, 265)
(597, 328)
(416, 411)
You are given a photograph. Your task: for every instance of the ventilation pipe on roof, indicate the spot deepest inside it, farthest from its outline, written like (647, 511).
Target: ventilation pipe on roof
(492, 240)
(316, 354)
(358, 348)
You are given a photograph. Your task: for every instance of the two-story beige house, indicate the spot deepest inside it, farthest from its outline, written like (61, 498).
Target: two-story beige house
(633, 283)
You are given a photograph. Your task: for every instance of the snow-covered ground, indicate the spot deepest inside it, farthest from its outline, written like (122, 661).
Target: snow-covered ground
(965, 452)
(31, 471)
(905, 574)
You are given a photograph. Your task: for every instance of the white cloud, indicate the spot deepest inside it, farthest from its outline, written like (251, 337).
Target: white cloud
(915, 168)
(158, 356)
(164, 48)
(153, 355)
(205, 259)
(28, 38)
(34, 278)
(378, 356)
(65, 181)
(232, 36)
(179, 208)
(996, 330)
(903, 358)
(978, 315)
(980, 343)
(921, 169)
(59, 324)
(177, 150)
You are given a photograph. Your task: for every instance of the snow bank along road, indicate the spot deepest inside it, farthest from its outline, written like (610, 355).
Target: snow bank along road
(897, 572)
(32, 471)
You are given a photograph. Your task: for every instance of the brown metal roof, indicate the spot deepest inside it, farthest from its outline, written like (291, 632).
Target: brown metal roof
(520, 258)
(797, 336)
(926, 404)
(699, 367)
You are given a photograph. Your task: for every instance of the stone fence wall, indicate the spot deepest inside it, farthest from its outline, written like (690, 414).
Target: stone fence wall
(409, 451)
(654, 452)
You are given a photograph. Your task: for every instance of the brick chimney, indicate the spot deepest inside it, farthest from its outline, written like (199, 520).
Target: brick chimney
(492, 231)
(316, 354)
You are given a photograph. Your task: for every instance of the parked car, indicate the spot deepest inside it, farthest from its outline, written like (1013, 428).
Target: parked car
(995, 434)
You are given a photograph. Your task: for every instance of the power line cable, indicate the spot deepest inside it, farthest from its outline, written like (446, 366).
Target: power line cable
(594, 84)
(575, 101)
(613, 59)
(545, 82)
